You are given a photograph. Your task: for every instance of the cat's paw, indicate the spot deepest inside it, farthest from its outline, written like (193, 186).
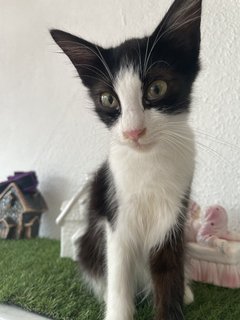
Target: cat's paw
(116, 317)
(188, 295)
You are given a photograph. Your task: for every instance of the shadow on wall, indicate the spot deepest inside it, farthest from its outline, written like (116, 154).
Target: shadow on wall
(55, 191)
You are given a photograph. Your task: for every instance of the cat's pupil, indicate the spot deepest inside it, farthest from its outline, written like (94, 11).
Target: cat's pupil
(110, 99)
(155, 90)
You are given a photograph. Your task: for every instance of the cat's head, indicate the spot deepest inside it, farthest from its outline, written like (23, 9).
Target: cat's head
(141, 86)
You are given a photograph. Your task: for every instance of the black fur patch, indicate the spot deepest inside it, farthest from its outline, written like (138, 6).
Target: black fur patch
(167, 270)
(92, 245)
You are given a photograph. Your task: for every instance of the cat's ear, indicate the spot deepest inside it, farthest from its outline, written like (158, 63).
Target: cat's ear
(181, 26)
(84, 55)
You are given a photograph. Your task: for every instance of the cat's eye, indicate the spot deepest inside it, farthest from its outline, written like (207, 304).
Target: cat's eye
(156, 90)
(108, 100)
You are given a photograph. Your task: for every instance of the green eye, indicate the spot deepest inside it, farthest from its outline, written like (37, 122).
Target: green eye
(109, 101)
(156, 90)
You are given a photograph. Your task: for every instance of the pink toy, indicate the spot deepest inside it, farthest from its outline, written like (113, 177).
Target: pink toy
(213, 250)
(214, 229)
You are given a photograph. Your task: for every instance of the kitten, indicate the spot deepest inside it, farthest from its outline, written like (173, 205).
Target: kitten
(138, 198)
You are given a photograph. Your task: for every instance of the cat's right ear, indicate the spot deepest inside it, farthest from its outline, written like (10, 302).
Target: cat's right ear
(83, 54)
(180, 28)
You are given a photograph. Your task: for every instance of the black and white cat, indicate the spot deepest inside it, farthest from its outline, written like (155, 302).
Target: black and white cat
(141, 90)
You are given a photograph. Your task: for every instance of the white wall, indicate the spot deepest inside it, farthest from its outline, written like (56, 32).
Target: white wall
(45, 120)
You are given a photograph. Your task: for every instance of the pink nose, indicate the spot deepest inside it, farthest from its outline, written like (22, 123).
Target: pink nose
(134, 134)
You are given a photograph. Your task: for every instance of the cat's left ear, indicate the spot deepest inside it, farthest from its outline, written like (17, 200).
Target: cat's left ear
(181, 27)
(85, 56)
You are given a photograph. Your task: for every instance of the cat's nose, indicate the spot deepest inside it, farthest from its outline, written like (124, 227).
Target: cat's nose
(134, 134)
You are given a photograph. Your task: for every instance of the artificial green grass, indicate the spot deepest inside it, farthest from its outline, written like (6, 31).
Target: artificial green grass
(35, 278)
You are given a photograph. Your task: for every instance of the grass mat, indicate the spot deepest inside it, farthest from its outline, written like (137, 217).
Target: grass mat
(36, 279)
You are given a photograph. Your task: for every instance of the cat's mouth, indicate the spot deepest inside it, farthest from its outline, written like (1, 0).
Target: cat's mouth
(139, 146)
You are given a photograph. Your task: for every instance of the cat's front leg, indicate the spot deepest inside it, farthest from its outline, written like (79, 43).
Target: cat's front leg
(167, 271)
(120, 277)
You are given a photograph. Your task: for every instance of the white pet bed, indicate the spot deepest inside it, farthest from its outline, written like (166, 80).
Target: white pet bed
(212, 266)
